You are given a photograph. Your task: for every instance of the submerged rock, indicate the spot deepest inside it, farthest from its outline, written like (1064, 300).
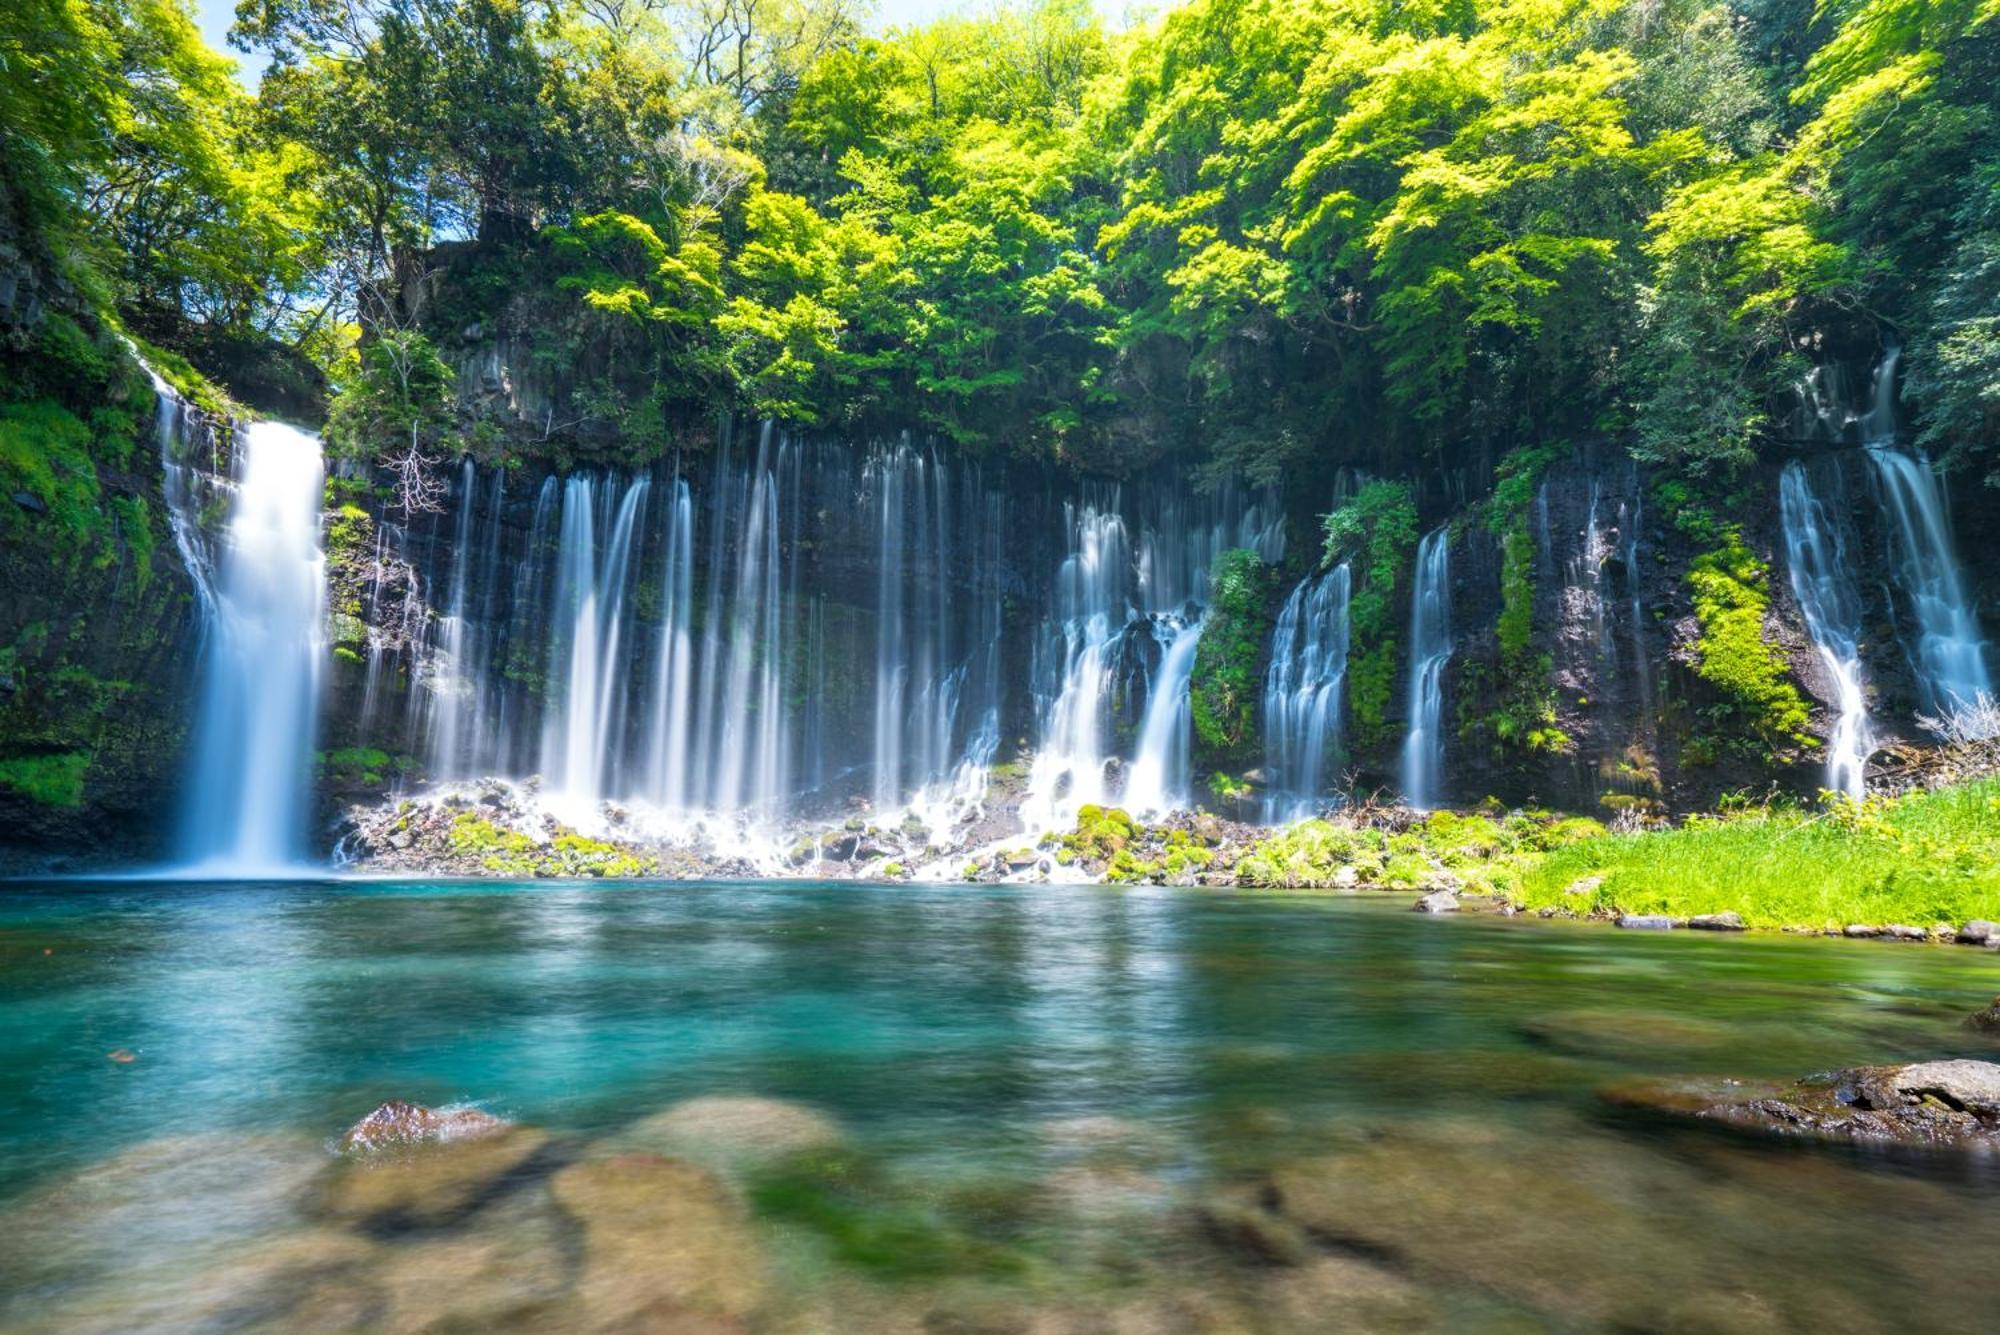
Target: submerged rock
(665, 1247)
(1648, 922)
(733, 1131)
(1979, 932)
(428, 1183)
(1438, 901)
(1717, 922)
(1987, 1020)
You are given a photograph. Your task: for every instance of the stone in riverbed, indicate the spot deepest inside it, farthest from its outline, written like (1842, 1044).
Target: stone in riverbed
(1860, 929)
(1717, 922)
(733, 1131)
(1648, 922)
(1987, 1020)
(1946, 1104)
(1979, 932)
(1438, 901)
(1902, 931)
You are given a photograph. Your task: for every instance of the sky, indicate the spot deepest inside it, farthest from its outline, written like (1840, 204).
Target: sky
(215, 16)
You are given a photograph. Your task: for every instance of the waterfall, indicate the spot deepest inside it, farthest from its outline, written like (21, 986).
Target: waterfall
(1118, 603)
(262, 604)
(673, 687)
(1430, 650)
(1948, 655)
(1823, 581)
(1302, 695)
(587, 681)
(1072, 667)
(1160, 774)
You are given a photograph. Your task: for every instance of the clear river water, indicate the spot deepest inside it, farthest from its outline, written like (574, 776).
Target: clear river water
(945, 1108)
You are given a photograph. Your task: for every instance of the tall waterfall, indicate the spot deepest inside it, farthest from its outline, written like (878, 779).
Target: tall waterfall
(1823, 581)
(1302, 695)
(262, 601)
(1948, 654)
(1430, 650)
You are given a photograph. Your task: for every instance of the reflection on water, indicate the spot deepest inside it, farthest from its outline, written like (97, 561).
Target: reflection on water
(927, 1108)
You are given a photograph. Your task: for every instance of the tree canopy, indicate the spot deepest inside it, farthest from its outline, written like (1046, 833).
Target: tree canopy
(1250, 234)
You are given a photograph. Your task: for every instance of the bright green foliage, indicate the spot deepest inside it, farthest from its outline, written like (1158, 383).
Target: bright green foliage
(396, 394)
(1226, 680)
(1730, 588)
(1475, 850)
(1376, 531)
(1918, 860)
(54, 780)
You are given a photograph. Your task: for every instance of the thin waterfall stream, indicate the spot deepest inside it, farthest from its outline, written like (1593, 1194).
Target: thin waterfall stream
(1430, 651)
(1822, 578)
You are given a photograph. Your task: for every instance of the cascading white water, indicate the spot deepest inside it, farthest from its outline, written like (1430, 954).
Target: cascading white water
(1073, 665)
(1822, 579)
(1948, 654)
(667, 771)
(1302, 695)
(1109, 591)
(1158, 781)
(1430, 651)
(586, 670)
(264, 608)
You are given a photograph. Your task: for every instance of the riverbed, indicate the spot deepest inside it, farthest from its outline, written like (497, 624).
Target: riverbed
(786, 1106)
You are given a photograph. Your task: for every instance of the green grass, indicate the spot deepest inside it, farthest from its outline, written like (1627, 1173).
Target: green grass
(1922, 859)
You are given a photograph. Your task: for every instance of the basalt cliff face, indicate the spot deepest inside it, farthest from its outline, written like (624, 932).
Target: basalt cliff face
(762, 630)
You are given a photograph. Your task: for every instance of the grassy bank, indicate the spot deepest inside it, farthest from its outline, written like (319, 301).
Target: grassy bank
(1922, 859)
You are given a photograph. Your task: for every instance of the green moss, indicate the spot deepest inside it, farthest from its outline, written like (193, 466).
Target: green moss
(1376, 532)
(363, 766)
(45, 452)
(1749, 674)
(1512, 704)
(866, 1223)
(54, 781)
(135, 526)
(1100, 833)
(1225, 683)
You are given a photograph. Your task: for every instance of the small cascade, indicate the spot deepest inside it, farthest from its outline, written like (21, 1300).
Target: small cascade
(1430, 651)
(1823, 581)
(1948, 653)
(1160, 774)
(462, 721)
(1302, 695)
(263, 606)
